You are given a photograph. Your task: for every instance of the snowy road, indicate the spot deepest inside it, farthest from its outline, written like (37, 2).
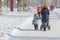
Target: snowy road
(21, 28)
(28, 29)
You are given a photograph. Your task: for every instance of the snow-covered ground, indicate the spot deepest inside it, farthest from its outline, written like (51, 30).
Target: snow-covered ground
(18, 26)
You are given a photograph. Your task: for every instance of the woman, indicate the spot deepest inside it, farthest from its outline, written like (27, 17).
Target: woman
(45, 17)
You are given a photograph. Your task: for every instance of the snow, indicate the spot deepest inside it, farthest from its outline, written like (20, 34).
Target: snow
(28, 29)
(18, 25)
(57, 10)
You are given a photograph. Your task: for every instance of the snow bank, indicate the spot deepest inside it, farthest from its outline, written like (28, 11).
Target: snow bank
(57, 10)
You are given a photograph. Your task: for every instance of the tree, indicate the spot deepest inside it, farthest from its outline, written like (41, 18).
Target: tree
(0, 8)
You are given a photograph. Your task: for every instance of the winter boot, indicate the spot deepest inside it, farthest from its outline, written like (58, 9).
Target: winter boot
(36, 27)
(44, 28)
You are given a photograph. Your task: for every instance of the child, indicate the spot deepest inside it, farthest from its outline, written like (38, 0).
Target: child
(35, 21)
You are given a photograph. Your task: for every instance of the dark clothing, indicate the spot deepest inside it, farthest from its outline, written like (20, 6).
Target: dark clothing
(45, 15)
(45, 18)
(39, 14)
(36, 26)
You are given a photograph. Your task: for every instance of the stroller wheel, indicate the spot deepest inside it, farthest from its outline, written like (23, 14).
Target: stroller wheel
(48, 27)
(41, 27)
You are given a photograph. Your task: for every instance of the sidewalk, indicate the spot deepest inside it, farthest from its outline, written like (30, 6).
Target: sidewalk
(28, 29)
(24, 31)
